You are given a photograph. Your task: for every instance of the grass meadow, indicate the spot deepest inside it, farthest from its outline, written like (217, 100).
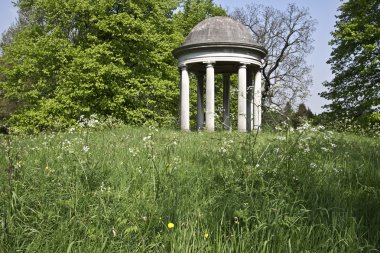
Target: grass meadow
(147, 190)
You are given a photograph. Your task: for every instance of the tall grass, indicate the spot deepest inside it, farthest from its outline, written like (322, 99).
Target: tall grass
(117, 190)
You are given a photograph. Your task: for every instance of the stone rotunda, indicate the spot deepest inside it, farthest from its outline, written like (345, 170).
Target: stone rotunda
(221, 45)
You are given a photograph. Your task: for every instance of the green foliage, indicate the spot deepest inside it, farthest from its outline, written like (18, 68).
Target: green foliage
(91, 190)
(111, 58)
(365, 125)
(194, 11)
(355, 60)
(288, 117)
(85, 57)
(302, 115)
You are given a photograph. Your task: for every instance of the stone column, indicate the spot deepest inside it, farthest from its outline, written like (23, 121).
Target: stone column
(249, 100)
(180, 97)
(257, 101)
(185, 99)
(226, 102)
(200, 101)
(210, 97)
(242, 98)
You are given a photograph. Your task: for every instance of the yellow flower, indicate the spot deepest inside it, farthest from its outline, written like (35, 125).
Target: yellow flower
(170, 225)
(206, 235)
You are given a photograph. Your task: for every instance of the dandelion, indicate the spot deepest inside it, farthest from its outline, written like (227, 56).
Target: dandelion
(170, 225)
(206, 235)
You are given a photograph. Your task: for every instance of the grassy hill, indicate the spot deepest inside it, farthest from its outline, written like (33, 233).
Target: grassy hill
(123, 190)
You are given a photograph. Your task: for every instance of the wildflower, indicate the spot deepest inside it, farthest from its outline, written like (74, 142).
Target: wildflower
(85, 149)
(18, 164)
(206, 235)
(223, 150)
(313, 165)
(147, 138)
(170, 225)
(134, 151)
(280, 138)
(324, 149)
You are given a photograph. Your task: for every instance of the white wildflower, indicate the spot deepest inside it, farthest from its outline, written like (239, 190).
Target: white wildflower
(133, 151)
(313, 165)
(280, 138)
(320, 128)
(85, 149)
(325, 149)
(223, 150)
(147, 138)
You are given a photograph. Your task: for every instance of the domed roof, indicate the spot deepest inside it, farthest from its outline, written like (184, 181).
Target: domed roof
(219, 30)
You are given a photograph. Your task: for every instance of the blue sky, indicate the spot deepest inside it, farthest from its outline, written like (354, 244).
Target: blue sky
(323, 11)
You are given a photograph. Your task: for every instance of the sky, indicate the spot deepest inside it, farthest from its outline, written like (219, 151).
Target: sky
(324, 11)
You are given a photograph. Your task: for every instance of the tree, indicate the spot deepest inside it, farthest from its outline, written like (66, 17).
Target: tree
(287, 35)
(355, 89)
(69, 58)
(82, 57)
(302, 115)
(194, 11)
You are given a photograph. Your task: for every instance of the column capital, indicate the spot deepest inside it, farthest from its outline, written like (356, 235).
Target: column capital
(183, 67)
(243, 65)
(209, 64)
(262, 63)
